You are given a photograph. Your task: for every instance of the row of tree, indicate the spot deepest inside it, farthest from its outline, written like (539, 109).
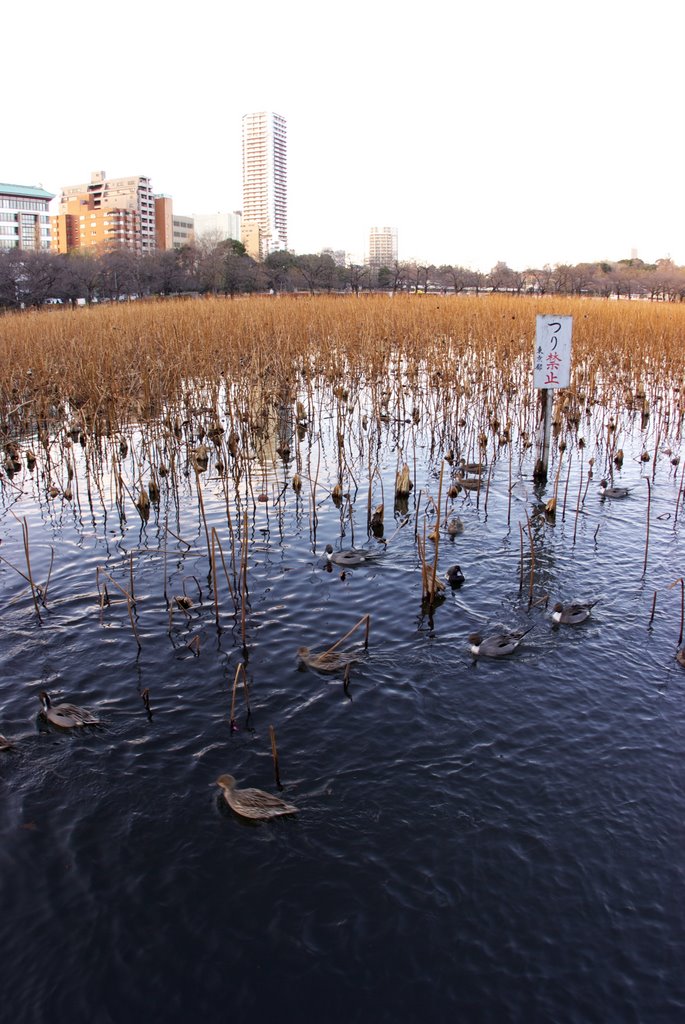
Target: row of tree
(223, 267)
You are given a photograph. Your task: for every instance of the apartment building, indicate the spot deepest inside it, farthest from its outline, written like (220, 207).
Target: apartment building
(265, 194)
(382, 249)
(24, 217)
(107, 212)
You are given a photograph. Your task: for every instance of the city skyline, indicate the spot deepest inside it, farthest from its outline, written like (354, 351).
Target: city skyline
(513, 133)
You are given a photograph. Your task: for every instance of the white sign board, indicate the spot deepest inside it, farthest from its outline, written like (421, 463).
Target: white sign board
(552, 351)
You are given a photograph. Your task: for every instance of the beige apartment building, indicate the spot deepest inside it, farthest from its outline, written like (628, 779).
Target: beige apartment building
(106, 213)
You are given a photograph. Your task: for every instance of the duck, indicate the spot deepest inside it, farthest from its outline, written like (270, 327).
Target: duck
(680, 656)
(455, 526)
(471, 467)
(612, 492)
(326, 661)
(66, 716)
(5, 744)
(472, 484)
(253, 803)
(572, 613)
(455, 576)
(498, 645)
(350, 557)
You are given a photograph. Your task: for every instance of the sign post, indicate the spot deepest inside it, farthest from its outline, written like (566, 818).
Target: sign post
(552, 369)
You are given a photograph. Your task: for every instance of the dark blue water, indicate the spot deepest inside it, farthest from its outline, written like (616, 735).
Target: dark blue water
(477, 841)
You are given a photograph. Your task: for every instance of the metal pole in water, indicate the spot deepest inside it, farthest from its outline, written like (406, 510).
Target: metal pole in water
(544, 436)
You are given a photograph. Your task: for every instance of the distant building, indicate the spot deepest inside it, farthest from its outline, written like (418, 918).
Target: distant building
(382, 251)
(82, 227)
(251, 237)
(172, 230)
(219, 226)
(24, 217)
(114, 213)
(164, 222)
(339, 256)
(184, 231)
(265, 197)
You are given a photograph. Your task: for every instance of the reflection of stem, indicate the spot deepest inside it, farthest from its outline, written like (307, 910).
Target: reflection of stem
(649, 501)
(680, 581)
(521, 580)
(532, 562)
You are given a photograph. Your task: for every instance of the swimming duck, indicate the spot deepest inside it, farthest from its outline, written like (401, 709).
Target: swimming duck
(470, 484)
(253, 803)
(351, 557)
(497, 645)
(612, 492)
(572, 613)
(471, 467)
(455, 576)
(66, 716)
(455, 526)
(326, 661)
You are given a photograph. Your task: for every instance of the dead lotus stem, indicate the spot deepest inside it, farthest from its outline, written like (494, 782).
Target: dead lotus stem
(202, 513)
(568, 477)
(34, 589)
(364, 621)
(217, 542)
(274, 755)
(240, 671)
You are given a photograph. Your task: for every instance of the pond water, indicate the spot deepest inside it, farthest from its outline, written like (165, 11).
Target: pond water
(478, 840)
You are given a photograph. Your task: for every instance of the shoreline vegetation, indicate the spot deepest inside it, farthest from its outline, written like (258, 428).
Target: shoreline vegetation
(31, 279)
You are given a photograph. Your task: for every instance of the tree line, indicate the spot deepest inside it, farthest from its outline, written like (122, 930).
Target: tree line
(222, 267)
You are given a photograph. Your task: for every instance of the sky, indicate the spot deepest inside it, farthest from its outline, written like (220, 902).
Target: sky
(531, 132)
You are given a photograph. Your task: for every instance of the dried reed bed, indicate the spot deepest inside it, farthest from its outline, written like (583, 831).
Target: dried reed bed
(131, 361)
(144, 398)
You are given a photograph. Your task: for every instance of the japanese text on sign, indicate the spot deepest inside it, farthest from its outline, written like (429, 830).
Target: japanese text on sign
(552, 351)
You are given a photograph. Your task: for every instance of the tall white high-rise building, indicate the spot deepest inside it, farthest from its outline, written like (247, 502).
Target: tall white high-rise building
(265, 194)
(382, 248)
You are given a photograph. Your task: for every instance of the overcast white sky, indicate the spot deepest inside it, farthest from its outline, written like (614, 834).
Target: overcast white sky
(535, 131)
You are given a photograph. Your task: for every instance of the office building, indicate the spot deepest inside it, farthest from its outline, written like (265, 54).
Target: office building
(24, 217)
(265, 201)
(218, 226)
(382, 251)
(184, 230)
(109, 212)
